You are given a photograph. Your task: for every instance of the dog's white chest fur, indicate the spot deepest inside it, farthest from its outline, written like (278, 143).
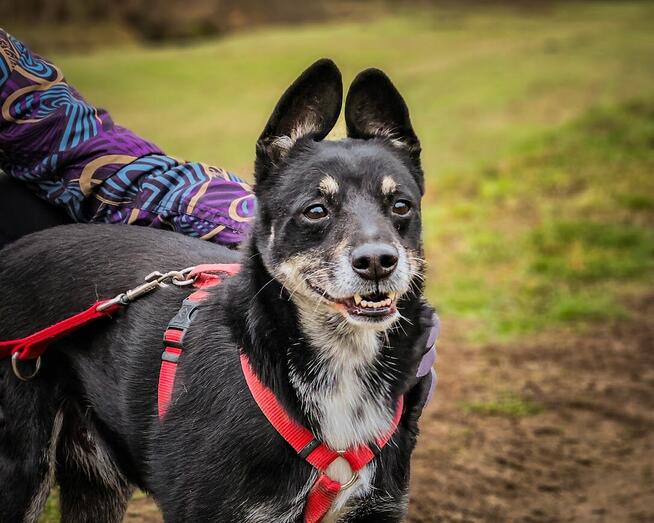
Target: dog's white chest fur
(349, 411)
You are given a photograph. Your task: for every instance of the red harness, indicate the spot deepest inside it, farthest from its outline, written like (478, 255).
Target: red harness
(324, 491)
(317, 454)
(203, 276)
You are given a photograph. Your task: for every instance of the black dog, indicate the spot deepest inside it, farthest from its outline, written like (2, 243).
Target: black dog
(327, 308)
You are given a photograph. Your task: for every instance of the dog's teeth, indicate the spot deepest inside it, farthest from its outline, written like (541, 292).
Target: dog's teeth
(392, 295)
(372, 304)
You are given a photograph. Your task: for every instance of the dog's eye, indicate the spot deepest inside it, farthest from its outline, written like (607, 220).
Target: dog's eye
(316, 212)
(401, 207)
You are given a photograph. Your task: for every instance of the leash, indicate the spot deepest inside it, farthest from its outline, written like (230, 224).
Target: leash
(33, 346)
(324, 491)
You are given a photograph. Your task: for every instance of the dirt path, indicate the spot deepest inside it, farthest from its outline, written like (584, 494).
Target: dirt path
(587, 454)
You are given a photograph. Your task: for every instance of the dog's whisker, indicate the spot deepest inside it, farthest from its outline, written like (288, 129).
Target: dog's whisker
(262, 288)
(402, 317)
(297, 288)
(322, 297)
(399, 324)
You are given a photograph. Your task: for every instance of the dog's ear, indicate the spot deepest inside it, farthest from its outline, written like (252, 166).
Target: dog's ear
(308, 108)
(374, 108)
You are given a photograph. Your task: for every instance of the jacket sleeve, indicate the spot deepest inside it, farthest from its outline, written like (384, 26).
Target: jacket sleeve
(191, 198)
(73, 155)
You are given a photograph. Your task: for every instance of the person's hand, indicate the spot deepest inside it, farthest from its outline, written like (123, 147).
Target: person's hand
(426, 371)
(423, 390)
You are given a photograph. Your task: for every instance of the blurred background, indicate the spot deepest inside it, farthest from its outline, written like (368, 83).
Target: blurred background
(537, 125)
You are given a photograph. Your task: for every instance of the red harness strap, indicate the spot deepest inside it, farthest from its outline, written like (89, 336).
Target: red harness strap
(33, 346)
(204, 276)
(317, 454)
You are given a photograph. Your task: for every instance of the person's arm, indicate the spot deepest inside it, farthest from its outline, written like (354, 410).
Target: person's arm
(72, 155)
(426, 373)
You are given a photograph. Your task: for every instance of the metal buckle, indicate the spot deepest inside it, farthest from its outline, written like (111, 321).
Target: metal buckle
(351, 481)
(355, 474)
(18, 374)
(153, 281)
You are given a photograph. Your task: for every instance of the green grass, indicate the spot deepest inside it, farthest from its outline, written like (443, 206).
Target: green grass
(51, 511)
(507, 404)
(550, 234)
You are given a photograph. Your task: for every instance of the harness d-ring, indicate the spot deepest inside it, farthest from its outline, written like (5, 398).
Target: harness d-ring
(351, 481)
(19, 375)
(355, 473)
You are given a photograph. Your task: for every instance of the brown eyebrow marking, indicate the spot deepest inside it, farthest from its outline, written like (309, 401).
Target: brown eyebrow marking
(328, 186)
(388, 186)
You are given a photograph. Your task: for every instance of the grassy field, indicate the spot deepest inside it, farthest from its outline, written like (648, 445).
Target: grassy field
(517, 195)
(537, 131)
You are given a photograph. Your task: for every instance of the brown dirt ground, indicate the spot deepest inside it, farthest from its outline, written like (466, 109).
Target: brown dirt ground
(586, 457)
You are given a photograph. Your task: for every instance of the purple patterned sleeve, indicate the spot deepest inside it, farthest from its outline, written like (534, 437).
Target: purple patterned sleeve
(74, 156)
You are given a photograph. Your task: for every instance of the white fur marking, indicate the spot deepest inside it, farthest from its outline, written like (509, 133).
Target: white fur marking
(271, 240)
(328, 186)
(388, 186)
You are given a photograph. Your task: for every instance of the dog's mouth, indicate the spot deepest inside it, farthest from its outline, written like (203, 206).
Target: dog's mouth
(377, 306)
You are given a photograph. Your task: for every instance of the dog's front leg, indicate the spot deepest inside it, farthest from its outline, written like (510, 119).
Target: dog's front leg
(380, 508)
(30, 422)
(92, 488)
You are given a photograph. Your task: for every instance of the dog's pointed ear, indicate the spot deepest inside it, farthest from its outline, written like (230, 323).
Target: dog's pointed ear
(308, 108)
(374, 108)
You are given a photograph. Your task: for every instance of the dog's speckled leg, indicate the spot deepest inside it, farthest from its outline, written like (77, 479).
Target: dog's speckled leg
(91, 486)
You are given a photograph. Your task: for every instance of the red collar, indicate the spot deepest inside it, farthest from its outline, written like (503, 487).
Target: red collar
(317, 454)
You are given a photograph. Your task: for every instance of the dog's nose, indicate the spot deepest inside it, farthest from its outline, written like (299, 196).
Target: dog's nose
(374, 261)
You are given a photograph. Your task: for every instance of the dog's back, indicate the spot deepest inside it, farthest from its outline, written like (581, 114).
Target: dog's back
(40, 414)
(117, 257)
